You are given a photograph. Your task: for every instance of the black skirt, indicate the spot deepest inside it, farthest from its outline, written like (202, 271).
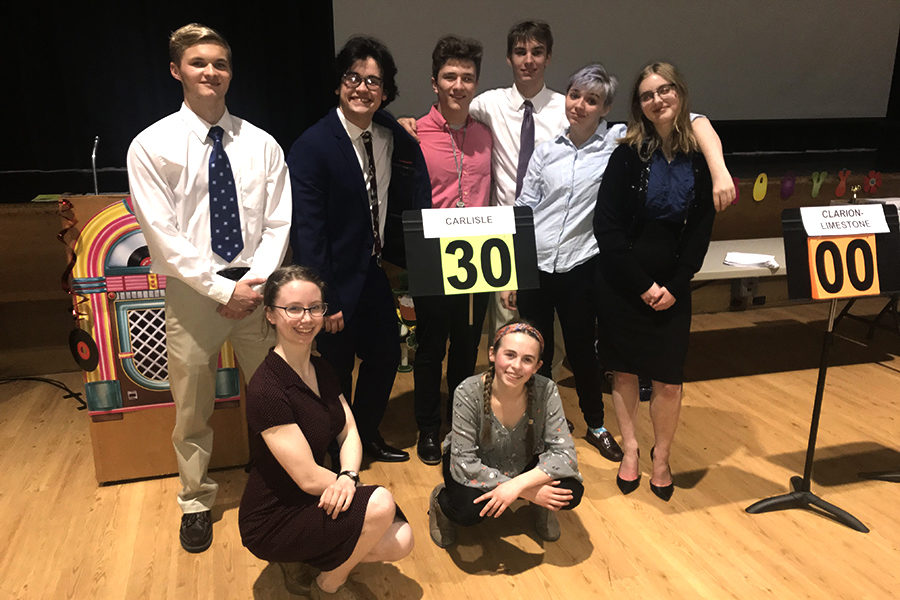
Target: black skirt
(634, 338)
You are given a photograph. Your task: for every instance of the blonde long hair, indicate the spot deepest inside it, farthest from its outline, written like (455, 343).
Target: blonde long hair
(641, 134)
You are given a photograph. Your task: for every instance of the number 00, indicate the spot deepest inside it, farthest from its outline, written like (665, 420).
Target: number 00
(860, 283)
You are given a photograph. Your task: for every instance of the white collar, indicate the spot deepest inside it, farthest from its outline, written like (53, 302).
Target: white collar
(352, 130)
(600, 133)
(200, 127)
(539, 101)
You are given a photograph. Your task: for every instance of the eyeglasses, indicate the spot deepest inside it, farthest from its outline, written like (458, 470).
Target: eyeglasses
(667, 89)
(353, 79)
(295, 311)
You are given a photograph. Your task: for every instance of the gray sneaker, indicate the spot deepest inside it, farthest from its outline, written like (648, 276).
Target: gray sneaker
(546, 524)
(442, 530)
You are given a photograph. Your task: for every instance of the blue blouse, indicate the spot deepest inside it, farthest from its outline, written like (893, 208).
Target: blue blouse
(670, 188)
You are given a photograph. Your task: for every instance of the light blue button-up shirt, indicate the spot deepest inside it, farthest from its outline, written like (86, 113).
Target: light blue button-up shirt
(560, 187)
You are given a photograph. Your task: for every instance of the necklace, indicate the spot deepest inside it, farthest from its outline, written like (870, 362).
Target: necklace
(458, 159)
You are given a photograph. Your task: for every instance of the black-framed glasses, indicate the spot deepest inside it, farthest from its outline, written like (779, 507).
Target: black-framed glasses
(295, 311)
(666, 89)
(353, 79)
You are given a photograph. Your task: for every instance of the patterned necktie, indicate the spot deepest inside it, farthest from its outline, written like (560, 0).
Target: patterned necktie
(526, 144)
(224, 217)
(373, 190)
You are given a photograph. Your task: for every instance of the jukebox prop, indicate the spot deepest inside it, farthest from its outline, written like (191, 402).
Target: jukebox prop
(120, 343)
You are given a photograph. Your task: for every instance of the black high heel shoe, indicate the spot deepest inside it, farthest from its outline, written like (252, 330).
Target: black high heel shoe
(626, 486)
(663, 492)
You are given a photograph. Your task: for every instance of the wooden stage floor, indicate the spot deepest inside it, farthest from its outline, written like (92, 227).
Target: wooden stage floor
(747, 405)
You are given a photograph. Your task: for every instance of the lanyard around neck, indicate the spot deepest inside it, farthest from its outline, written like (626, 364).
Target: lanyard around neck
(458, 159)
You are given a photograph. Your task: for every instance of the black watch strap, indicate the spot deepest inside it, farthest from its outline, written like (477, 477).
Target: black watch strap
(352, 475)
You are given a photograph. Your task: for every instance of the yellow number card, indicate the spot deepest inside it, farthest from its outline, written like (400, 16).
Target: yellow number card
(484, 263)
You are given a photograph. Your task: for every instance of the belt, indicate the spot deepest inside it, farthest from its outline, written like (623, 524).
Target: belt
(233, 273)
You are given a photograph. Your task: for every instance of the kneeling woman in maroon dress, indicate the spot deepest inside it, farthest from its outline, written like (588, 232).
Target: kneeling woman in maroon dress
(294, 511)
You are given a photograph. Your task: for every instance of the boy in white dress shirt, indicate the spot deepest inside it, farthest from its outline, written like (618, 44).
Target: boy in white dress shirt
(213, 198)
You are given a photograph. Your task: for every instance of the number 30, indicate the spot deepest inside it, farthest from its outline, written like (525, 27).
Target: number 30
(466, 263)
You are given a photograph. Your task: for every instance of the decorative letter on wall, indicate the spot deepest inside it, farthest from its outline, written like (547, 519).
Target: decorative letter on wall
(817, 178)
(841, 188)
(759, 188)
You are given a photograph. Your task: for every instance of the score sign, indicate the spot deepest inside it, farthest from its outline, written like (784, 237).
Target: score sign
(842, 267)
(477, 252)
(482, 263)
(470, 250)
(836, 252)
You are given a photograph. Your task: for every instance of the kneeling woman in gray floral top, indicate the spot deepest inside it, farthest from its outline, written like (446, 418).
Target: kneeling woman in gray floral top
(509, 441)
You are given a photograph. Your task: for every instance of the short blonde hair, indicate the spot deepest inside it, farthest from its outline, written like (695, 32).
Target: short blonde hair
(191, 35)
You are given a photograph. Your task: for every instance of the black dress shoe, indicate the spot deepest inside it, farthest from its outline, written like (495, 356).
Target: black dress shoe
(429, 447)
(627, 486)
(663, 492)
(196, 531)
(379, 450)
(606, 444)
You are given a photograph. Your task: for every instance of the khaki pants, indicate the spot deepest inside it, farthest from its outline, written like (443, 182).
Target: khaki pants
(195, 333)
(497, 315)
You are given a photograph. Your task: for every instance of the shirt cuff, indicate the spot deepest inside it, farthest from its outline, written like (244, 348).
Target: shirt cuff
(221, 289)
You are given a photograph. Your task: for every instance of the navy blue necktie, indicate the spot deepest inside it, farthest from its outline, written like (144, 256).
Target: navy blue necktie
(526, 144)
(224, 217)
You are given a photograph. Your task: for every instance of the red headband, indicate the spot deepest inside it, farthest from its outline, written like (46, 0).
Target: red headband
(519, 328)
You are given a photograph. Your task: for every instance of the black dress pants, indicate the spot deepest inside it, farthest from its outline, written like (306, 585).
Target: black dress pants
(439, 318)
(373, 334)
(571, 296)
(457, 500)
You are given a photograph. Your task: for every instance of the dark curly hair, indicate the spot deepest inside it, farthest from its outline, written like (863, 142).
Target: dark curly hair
(361, 47)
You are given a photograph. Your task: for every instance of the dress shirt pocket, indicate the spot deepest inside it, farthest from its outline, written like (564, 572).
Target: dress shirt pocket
(253, 195)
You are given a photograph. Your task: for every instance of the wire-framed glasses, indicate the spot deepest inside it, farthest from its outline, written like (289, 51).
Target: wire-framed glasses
(295, 311)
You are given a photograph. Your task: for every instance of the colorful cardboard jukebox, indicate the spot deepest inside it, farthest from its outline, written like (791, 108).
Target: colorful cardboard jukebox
(120, 342)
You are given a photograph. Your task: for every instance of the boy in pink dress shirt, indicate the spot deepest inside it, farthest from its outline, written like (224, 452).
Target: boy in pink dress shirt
(457, 151)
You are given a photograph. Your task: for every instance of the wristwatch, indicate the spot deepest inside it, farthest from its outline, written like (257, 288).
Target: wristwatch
(352, 475)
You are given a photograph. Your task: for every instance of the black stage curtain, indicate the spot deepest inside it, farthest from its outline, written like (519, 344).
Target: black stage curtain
(76, 70)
